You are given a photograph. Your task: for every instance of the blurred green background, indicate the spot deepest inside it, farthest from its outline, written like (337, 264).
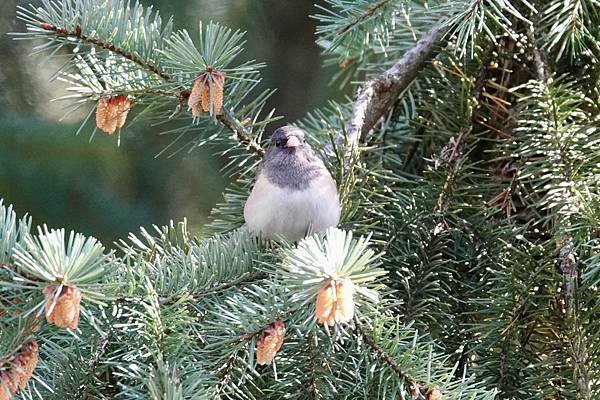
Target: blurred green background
(107, 191)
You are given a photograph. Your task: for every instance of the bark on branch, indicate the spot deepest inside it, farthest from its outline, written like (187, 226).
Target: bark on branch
(378, 94)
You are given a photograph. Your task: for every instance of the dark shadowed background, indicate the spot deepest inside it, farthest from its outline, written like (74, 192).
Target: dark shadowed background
(103, 190)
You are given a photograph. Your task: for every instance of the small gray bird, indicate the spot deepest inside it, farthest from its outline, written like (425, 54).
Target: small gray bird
(294, 194)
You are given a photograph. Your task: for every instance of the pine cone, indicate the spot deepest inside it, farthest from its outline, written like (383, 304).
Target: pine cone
(335, 302)
(206, 84)
(269, 342)
(8, 386)
(433, 394)
(24, 363)
(214, 87)
(16, 375)
(65, 313)
(194, 100)
(111, 112)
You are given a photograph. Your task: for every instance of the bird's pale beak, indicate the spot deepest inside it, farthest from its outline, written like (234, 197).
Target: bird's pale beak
(292, 141)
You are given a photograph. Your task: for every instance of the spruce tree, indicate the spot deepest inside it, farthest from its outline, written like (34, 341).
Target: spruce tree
(466, 263)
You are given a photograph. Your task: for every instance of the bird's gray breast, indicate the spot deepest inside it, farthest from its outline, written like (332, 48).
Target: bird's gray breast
(276, 211)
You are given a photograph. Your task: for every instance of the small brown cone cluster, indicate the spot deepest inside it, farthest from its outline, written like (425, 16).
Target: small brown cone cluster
(335, 302)
(207, 84)
(434, 394)
(64, 312)
(20, 369)
(269, 342)
(111, 112)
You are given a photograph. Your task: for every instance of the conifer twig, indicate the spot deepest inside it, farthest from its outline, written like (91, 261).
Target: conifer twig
(78, 34)
(370, 11)
(224, 374)
(239, 132)
(378, 94)
(383, 355)
(452, 152)
(241, 135)
(567, 263)
(94, 361)
(312, 378)
(244, 279)
(567, 255)
(13, 269)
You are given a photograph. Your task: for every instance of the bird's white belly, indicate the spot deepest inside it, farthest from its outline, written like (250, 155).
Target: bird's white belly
(275, 212)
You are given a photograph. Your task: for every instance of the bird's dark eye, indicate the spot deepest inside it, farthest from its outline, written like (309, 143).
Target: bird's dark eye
(304, 141)
(278, 143)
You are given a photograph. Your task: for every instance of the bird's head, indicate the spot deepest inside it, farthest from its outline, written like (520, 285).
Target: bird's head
(290, 161)
(288, 139)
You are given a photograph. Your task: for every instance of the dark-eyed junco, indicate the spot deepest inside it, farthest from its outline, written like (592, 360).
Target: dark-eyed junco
(294, 194)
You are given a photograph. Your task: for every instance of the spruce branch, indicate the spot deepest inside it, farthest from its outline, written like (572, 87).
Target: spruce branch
(78, 34)
(241, 135)
(12, 231)
(224, 374)
(243, 279)
(370, 11)
(13, 270)
(93, 362)
(558, 139)
(311, 381)
(378, 94)
(567, 254)
(101, 347)
(570, 28)
(182, 95)
(568, 259)
(383, 355)
(452, 153)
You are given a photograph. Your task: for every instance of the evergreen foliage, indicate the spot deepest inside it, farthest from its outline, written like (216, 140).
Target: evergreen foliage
(470, 222)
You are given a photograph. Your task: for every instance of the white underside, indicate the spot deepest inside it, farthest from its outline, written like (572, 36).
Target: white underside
(274, 212)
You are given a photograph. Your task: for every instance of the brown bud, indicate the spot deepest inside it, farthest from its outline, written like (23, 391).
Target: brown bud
(269, 342)
(335, 302)
(63, 313)
(434, 394)
(206, 85)
(111, 112)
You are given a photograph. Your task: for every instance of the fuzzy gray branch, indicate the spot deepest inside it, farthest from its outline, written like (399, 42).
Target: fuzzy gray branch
(378, 94)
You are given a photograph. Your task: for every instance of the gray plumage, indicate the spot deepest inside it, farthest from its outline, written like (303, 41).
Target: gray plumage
(294, 194)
